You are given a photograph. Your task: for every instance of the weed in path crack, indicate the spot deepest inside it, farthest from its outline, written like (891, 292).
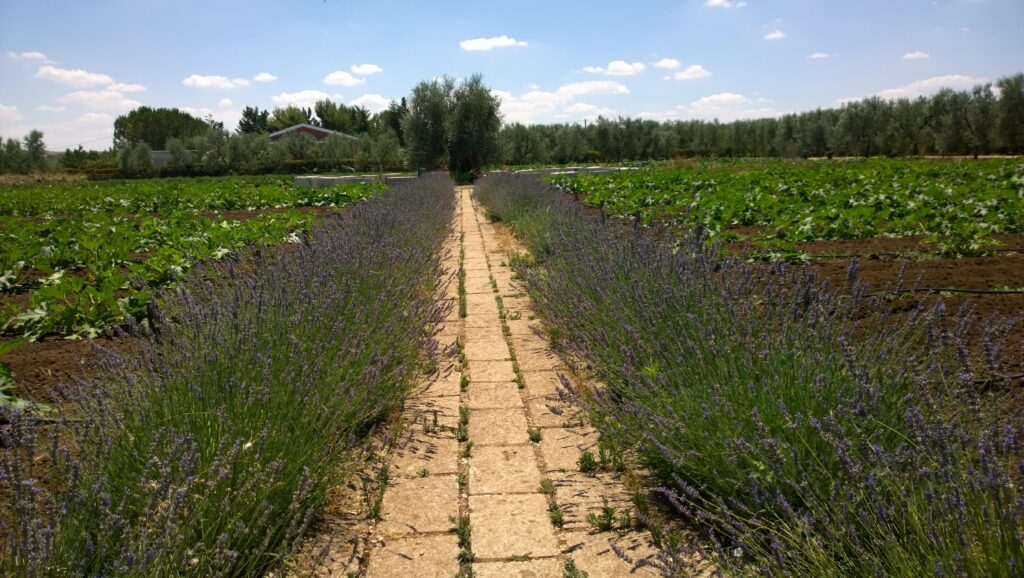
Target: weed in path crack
(467, 449)
(535, 434)
(463, 530)
(373, 492)
(571, 571)
(464, 382)
(609, 517)
(587, 463)
(556, 515)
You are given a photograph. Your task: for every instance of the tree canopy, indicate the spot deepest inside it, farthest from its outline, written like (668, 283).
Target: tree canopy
(153, 126)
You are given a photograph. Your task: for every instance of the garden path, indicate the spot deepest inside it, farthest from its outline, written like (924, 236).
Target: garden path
(511, 472)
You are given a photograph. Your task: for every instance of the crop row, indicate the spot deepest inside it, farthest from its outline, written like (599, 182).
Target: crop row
(799, 446)
(90, 254)
(958, 204)
(207, 452)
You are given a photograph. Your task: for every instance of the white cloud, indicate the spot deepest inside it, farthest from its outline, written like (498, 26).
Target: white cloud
(930, 86)
(9, 113)
(476, 44)
(916, 56)
(692, 72)
(32, 56)
(111, 100)
(122, 87)
(538, 105)
(668, 64)
(588, 111)
(75, 77)
(819, 56)
(214, 82)
(303, 98)
(617, 68)
(94, 118)
(50, 108)
(725, 3)
(342, 78)
(225, 102)
(372, 102)
(264, 77)
(230, 118)
(775, 35)
(366, 69)
(725, 106)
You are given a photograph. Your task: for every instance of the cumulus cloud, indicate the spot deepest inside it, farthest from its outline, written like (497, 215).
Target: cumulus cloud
(916, 56)
(582, 110)
(819, 56)
(214, 82)
(477, 44)
(75, 77)
(264, 77)
(692, 72)
(725, 3)
(111, 100)
(51, 108)
(9, 113)
(95, 118)
(668, 64)
(225, 102)
(342, 78)
(725, 106)
(775, 35)
(617, 68)
(930, 86)
(372, 102)
(122, 87)
(538, 105)
(303, 98)
(230, 118)
(31, 56)
(366, 69)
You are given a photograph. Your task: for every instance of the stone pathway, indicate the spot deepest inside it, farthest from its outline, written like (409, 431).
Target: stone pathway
(488, 442)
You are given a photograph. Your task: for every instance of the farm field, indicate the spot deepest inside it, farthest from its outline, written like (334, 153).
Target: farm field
(80, 257)
(708, 361)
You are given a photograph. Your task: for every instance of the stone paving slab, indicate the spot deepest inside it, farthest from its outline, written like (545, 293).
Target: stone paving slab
(419, 505)
(446, 410)
(479, 285)
(485, 344)
(420, 556)
(494, 395)
(498, 427)
(543, 568)
(484, 371)
(542, 416)
(435, 452)
(487, 318)
(541, 383)
(593, 554)
(477, 264)
(503, 470)
(561, 447)
(444, 384)
(510, 525)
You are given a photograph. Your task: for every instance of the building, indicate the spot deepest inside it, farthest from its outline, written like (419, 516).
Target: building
(316, 132)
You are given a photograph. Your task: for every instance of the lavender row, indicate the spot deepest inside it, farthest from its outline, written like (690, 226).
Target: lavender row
(803, 438)
(207, 452)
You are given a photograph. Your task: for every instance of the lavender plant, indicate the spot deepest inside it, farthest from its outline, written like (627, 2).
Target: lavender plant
(803, 447)
(208, 453)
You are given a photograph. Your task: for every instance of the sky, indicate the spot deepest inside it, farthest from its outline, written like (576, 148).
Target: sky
(70, 67)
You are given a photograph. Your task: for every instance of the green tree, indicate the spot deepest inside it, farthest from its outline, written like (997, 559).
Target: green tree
(254, 121)
(1011, 113)
(379, 151)
(15, 159)
(286, 116)
(154, 126)
(334, 116)
(424, 126)
(473, 123)
(35, 151)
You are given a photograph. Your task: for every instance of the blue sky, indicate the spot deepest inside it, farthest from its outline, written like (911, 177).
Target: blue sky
(70, 67)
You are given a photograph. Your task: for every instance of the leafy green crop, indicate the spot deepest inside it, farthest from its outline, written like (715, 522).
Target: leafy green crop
(90, 253)
(957, 205)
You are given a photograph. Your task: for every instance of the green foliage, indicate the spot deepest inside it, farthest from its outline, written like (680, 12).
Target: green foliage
(254, 121)
(153, 126)
(424, 126)
(286, 116)
(91, 252)
(959, 204)
(472, 126)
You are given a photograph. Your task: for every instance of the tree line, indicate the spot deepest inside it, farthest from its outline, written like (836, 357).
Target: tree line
(988, 119)
(460, 127)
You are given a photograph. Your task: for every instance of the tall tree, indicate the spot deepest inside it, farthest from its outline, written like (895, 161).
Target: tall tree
(424, 126)
(254, 121)
(291, 115)
(35, 150)
(1011, 112)
(154, 126)
(472, 127)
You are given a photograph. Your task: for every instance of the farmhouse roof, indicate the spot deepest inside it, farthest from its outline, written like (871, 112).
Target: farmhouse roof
(308, 128)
